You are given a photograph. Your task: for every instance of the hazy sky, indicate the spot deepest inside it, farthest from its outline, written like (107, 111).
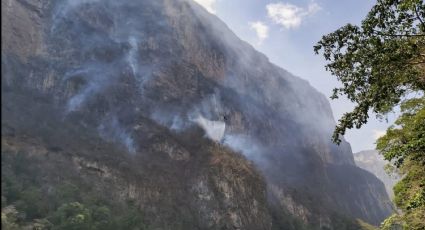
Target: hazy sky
(287, 30)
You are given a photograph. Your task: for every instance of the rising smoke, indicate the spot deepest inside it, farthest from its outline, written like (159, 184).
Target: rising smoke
(110, 129)
(260, 97)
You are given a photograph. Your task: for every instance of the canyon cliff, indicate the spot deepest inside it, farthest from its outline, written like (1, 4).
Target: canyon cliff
(160, 103)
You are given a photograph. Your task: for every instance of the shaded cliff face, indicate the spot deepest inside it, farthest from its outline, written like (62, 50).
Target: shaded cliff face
(186, 106)
(373, 162)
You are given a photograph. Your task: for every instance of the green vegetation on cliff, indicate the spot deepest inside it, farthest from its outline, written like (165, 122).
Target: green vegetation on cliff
(405, 145)
(29, 203)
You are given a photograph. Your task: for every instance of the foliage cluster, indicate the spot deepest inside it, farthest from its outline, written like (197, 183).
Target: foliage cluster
(404, 144)
(27, 202)
(379, 62)
(381, 65)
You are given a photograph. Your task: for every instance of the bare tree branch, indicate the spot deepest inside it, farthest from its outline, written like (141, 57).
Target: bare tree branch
(419, 17)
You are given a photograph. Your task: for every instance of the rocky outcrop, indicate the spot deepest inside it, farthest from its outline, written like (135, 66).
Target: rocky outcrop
(87, 77)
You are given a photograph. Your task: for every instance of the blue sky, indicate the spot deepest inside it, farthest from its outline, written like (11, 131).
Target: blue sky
(286, 31)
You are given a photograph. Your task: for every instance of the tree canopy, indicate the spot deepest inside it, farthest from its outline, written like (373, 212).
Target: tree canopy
(379, 62)
(404, 144)
(381, 65)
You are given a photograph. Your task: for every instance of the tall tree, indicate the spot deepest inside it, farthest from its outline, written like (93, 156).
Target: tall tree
(381, 65)
(379, 62)
(404, 144)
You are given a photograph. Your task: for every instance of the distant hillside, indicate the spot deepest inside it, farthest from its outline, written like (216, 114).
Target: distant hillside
(373, 162)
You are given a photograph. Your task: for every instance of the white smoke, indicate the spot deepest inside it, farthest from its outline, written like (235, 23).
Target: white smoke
(213, 129)
(132, 59)
(76, 101)
(247, 146)
(170, 119)
(64, 8)
(110, 129)
(94, 78)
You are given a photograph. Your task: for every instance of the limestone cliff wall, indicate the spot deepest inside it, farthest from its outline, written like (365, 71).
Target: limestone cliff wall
(135, 74)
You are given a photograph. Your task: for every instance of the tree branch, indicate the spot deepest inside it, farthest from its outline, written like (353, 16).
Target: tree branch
(419, 17)
(416, 63)
(398, 35)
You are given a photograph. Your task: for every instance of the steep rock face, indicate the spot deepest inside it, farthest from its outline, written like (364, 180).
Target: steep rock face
(179, 182)
(373, 162)
(138, 75)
